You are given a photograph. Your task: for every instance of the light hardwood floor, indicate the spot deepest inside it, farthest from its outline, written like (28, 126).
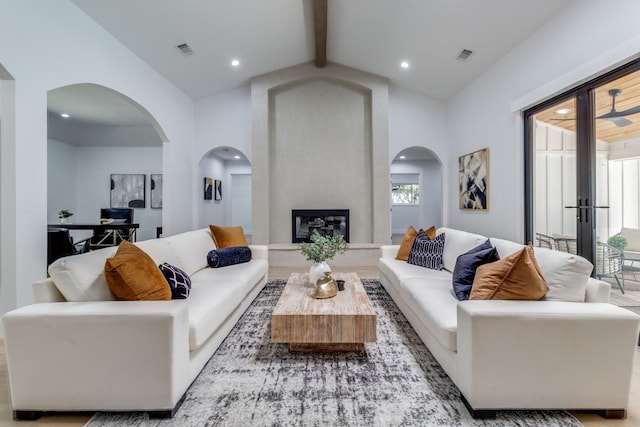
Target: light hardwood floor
(588, 419)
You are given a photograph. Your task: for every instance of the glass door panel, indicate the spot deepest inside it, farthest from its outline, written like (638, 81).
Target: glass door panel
(554, 172)
(617, 133)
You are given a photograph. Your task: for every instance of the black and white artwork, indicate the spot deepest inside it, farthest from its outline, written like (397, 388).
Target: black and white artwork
(208, 188)
(217, 189)
(128, 190)
(473, 169)
(156, 191)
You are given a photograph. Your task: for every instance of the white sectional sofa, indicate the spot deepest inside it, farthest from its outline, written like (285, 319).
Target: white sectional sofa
(94, 353)
(549, 354)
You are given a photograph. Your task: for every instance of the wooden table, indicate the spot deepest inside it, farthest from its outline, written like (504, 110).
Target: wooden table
(342, 323)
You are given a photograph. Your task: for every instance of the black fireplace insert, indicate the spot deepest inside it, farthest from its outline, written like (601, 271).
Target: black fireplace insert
(329, 222)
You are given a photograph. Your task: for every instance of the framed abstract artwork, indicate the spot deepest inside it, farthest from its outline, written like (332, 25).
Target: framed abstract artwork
(128, 190)
(217, 189)
(208, 188)
(473, 170)
(156, 191)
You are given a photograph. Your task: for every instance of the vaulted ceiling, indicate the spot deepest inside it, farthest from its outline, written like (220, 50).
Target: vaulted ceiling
(372, 35)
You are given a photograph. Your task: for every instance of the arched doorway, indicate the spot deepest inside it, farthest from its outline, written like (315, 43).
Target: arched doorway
(416, 190)
(93, 133)
(228, 170)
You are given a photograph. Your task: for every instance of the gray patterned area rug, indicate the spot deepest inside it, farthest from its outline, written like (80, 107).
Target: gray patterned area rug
(395, 382)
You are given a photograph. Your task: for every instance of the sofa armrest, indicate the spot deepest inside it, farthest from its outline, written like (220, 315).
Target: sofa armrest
(259, 252)
(104, 355)
(509, 352)
(597, 291)
(389, 251)
(45, 290)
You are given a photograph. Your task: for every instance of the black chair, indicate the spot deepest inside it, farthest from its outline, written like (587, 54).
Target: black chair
(113, 237)
(60, 244)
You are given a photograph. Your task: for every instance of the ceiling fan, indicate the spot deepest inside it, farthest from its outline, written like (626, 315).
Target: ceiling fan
(617, 117)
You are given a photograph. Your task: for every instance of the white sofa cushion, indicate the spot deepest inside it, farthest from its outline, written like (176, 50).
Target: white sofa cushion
(457, 242)
(191, 249)
(210, 303)
(397, 271)
(434, 302)
(81, 277)
(159, 250)
(215, 293)
(566, 274)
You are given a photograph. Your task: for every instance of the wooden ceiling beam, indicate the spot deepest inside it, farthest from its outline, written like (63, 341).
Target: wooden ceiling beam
(320, 26)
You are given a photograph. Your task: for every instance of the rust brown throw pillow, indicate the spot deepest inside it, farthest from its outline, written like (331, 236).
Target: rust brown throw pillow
(516, 277)
(132, 275)
(226, 237)
(407, 243)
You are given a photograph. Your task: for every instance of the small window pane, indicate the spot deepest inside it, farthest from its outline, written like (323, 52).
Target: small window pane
(405, 194)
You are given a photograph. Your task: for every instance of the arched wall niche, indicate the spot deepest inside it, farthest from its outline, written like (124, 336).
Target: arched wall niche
(231, 166)
(320, 141)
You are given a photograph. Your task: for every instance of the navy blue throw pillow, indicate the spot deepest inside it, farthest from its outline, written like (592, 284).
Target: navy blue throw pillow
(427, 252)
(228, 256)
(466, 266)
(179, 281)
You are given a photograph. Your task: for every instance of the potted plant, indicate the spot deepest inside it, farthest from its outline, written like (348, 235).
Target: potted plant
(63, 215)
(617, 241)
(321, 249)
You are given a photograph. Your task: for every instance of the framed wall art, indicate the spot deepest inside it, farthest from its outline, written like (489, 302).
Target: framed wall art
(128, 190)
(208, 188)
(473, 169)
(217, 187)
(156, 191)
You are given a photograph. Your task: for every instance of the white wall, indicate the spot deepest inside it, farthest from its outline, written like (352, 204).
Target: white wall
(211, 211)
(431, 198)
(563, 52)
(47, 30)
(62, 176)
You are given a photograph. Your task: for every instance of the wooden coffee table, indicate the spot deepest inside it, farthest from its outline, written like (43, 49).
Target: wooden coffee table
(342, 323)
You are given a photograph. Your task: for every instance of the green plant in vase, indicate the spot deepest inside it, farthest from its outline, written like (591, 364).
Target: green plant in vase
(64, 214)
(321, 249)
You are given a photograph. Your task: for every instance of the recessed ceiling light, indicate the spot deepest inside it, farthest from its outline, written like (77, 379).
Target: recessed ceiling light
(236, 157)
(563, 111)
(65, 115)
(235, 63)
(404, 64)
(403, 157)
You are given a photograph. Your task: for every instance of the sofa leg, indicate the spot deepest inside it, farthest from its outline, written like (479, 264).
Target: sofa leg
(27, 415)
(168, 413)
(614, 413)
(479, 413)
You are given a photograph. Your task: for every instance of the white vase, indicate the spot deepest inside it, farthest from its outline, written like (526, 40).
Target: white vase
(317, 271)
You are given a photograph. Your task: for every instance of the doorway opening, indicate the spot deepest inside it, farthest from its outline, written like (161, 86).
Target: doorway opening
(416, 191)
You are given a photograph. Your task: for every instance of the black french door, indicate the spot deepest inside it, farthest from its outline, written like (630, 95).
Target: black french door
(576, 149)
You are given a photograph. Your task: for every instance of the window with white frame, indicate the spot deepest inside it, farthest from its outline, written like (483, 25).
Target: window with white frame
(405, 189)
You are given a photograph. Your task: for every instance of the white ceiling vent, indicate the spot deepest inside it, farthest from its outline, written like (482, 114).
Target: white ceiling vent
(185, 49)
(464, 54)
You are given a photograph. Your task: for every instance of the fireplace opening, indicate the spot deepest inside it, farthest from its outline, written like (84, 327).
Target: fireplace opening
(328, 222)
